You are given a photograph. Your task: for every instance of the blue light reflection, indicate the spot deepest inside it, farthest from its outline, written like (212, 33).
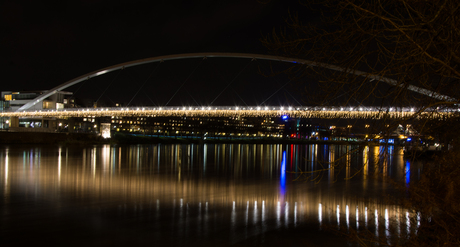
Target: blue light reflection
(283, 174)
(407, 170)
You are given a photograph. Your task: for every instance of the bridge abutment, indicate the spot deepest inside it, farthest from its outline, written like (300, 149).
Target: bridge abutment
(14, 122)
(71, 126)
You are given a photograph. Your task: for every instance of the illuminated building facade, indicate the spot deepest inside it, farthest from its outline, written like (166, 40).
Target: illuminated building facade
(191, 127)
(12, 101)
(59, 100)
(212, 127)
(4, 121)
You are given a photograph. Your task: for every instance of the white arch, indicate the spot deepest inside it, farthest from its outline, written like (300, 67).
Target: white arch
(225, 55)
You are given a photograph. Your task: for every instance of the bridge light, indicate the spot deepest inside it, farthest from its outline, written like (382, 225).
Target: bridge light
(266, 108)
(236, 108)
(290, 108)
(281, 108)
(258, 108)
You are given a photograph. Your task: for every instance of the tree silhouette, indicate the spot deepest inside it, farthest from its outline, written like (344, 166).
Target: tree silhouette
(416, 45)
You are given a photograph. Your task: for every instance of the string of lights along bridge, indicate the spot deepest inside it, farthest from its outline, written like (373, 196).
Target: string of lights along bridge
(50, 111)
(232, 111)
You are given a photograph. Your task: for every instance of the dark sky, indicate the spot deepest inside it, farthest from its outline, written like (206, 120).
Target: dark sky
(45, 43)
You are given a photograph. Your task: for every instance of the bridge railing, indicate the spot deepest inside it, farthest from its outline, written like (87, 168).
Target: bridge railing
(250, 108)
(248, 111)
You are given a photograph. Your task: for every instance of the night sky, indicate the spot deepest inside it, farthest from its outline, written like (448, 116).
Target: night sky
(45, 43)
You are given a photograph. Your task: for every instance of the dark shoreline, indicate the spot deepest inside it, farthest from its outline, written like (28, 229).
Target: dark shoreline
(119, 138)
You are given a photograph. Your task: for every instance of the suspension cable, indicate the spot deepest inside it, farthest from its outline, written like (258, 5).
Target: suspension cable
(231, 82)
(292, 97)
(73, 95)
(192, 98)
(279, 89)
(275, 92)
(109, 84)
(150, 75)
(185, 81)
(239, 97)
(149, 98)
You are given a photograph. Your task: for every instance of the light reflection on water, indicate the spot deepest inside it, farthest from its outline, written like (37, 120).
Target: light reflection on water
(223, 193)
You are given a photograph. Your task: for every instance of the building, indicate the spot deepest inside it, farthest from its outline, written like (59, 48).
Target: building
(11, 101)
(15, 100)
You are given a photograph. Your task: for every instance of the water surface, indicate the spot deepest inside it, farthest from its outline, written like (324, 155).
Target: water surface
(220, 194)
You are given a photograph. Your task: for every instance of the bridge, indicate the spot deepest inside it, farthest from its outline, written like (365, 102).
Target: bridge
(246, 111)
(210, 120)
(370, 77)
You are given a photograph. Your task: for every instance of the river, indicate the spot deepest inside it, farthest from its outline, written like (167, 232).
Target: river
(200, 194)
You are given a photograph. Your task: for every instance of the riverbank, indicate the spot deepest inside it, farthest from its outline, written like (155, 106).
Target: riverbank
(121, 138)
(49, 138)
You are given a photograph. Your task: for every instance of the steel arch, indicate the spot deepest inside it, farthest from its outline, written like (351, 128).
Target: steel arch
(225, 55)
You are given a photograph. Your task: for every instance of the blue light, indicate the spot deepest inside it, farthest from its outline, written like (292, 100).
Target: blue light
(391, 140)
(409, 139)
(284, 117)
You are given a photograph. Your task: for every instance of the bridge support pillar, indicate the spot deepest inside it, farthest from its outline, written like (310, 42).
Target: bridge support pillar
(52, 124)
(71, 126)
(14, 122)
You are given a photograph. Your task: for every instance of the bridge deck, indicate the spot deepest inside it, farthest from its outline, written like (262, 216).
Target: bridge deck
(300, 112)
